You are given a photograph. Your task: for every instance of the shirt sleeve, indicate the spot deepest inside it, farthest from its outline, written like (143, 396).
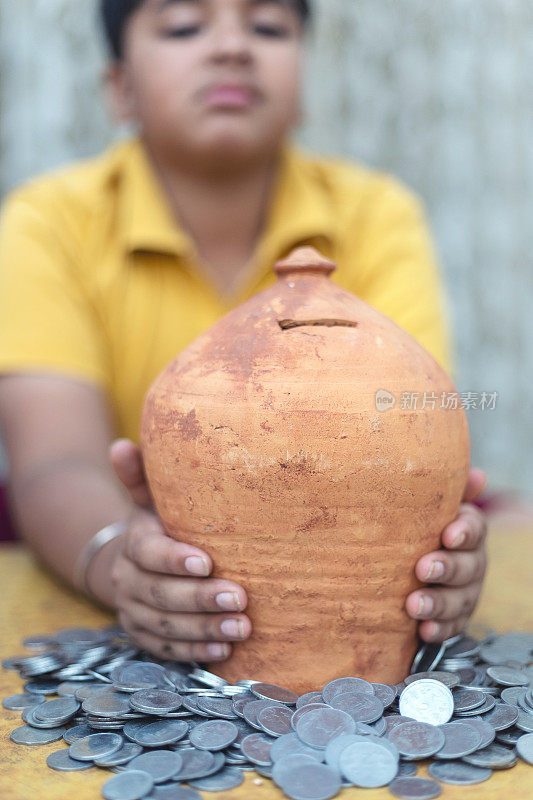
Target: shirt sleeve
(47, 320)
(398, 271)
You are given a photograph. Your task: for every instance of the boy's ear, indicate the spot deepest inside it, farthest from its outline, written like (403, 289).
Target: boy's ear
(119, 95)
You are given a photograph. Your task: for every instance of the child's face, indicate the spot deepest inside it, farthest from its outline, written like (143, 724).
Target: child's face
(211, 78)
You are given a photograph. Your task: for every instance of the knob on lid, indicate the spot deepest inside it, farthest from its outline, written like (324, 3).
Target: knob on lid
(304, 259)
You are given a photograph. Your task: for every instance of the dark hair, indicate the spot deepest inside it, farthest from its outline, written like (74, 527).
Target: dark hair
(115, 14)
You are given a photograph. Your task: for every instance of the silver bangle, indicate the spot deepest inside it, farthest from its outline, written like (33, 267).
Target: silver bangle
(90, 549)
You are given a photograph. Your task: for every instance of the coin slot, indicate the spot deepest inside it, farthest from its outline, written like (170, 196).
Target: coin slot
(286, 324)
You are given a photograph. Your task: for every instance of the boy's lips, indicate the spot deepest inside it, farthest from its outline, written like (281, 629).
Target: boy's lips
(237, 95)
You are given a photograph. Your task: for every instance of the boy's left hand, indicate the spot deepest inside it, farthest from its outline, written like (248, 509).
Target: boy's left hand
(459, 568)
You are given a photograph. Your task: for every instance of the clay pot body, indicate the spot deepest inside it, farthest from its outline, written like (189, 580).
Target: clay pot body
(263, 446)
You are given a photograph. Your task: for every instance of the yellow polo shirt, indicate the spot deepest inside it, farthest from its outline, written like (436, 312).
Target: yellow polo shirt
(98, 280)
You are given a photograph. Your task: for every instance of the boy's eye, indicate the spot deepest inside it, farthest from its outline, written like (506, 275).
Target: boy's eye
(274, 31)
(187, 30)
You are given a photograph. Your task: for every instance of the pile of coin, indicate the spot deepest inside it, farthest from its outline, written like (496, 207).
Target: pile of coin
(168, 729)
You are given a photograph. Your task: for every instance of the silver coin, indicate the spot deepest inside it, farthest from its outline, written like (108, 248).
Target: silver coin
(227, 778)
(218, 707)
(524, 748)
(18, 702)
(502, 716)
(256, 748)
(155, 701)
(467, 699)
(61, 761)
(368, 764)
(25, 734)
(509, 736)
(29, 717)
(495, 756)
(161, 733)
(319, 725)
(486, 731)
(461, 738)
(336, 746)
(131, 785)
(512, 693)
(311, 781)
(341, 685)
(287, 763)
(290, 743)
(506, 676)
(275, 720)
(174, 792)
(198, 763)
(267, 691)
(524, 721)
(162, 765)
(393, 720)
(106, 705)
(309, 697)
(41, 687)
(251, 710)
(86, 690)
(360, 706)
(128, 751)
(414, 788)
(136, 675)
(427, 700)
(239, 701)
(457, 772)
(299, 712)
(406, 769)
(96, 745)
(59, 710)
(214, 734)
(417, 739)
(379, 727)
(385, 693)
(449, 679)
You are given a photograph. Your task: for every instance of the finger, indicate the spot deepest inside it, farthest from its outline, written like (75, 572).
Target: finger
(126, 459)
(435, 631)
(475, 483)
(452, 569)
(443, 604)
(174, 650)
(190, 627)
(148, 546)
(189, 595)
(467, 531)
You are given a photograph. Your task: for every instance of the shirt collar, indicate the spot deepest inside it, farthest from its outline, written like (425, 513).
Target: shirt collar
(299, 209)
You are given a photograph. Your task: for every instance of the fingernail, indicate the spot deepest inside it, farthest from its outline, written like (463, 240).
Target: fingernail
(217, 650)
(425, 604)
(436, 570)
(459, 539)
(229, 600)
(197, 565)
(233, 627)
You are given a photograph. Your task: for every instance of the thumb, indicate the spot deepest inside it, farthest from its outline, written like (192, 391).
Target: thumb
(476, 482)
(126, 459)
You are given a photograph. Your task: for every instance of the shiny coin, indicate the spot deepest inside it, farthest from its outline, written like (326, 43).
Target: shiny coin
(309, 697)
(61, 761)
(524, 748)
(336, 746)
(131, 785)
(393, 720)
(449, 679)
(174, 792)
(406, 769)
(162, 765)
(28, 717)
(461, 738)
(161, 733)
(239, 701)
(130, 729)
(362, 707)
(227, 778)
(58, 711)
(107, 705)
(379, 727)
(509, 736)
(96, 745)
(417, 739)
(41, 687)
(467, 699)
(414, 788)
(155, 701)
(198, 763)
(299, 712)
(486, 731)
(512, 693)
(218, 707)
(267, 691)
(251, 710)
(495, 756)
(86, 690)
(318, 726)
(310, 781)
(341, 685)
(524, 721)
(288, 763)
(214, 734)
(28, 735)
(275, 720)
(457, 772)
(256, 748)
(17, 702)
(135, 675)
(502, 716)
(128, 751)
(506, 676)
(427, 700)
(368, 764)
(488, 704)
(289, 744)
(385, 693)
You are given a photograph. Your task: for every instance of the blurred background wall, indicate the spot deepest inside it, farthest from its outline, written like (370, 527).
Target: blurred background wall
(438, 92)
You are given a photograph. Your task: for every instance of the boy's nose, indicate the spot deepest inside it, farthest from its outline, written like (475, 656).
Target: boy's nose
(231, 42)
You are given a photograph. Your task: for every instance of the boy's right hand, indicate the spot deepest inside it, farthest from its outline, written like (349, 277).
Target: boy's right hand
(160, 602)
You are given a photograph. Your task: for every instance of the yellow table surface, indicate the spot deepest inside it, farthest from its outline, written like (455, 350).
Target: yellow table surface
(33, 602)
